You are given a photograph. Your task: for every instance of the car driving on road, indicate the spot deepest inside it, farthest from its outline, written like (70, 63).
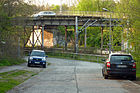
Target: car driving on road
(37, 57)
(44, 13)
(119, 64)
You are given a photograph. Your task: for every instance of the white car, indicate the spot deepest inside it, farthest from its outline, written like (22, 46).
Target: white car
(44, 13)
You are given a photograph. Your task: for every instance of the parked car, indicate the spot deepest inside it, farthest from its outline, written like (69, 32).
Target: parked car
(37, 57)
(44, 13)
(119, 64)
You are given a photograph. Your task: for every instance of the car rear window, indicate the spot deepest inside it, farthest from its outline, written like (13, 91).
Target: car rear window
(119, 58)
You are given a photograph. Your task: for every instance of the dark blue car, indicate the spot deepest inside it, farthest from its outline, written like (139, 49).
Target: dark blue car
(37, 58)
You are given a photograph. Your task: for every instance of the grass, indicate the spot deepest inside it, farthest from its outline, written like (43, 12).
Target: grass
(138, 71)
(9, 80)
(11, 61)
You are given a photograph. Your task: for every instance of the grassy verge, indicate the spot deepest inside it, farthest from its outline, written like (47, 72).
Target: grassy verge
(9, 80)
(11, 61)
(138, 71)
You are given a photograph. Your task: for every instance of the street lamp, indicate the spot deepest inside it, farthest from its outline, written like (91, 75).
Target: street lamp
(60, 6)
(110, 36)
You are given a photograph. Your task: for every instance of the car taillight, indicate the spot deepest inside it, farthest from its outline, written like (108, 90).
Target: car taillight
(108, 64)
(134, 65)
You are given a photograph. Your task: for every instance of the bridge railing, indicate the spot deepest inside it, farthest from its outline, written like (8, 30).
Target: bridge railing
(89, 13)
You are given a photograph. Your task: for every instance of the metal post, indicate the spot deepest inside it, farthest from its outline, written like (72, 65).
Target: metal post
(65, 38)
(60, 6)
(19, 47)
(102, 41)
(122, 43)
(42, 36)
(76, 35)
(24, 35)
(110, 37)
(33, 37)
(85, 38)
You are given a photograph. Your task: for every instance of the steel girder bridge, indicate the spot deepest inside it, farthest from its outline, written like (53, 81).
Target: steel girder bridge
(52, 22)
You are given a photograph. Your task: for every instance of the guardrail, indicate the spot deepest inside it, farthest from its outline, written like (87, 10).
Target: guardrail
(90, 13)
(83, 57)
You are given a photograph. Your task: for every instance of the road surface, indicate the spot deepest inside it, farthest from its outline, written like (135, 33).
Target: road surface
(71, 76)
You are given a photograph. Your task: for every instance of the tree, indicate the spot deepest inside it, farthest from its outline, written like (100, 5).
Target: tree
(9, 34)
(17, 8)
(96, 5)
(55, 7)
(131, 10)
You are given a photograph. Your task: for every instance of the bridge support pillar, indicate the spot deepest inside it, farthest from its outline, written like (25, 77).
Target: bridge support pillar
(65, 38)
(102, 40)
(33, 44)
(76, 35)
(24, 35)
(42, 36)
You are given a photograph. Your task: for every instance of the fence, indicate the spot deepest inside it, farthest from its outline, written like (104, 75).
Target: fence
(89, 13)
(84, 57)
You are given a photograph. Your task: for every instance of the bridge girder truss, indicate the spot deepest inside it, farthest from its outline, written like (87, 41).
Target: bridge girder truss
(51, 21)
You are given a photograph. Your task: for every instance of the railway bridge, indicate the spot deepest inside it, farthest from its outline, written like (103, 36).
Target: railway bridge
(78, 19)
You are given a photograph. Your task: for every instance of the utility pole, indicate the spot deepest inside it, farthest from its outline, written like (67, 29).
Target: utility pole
(110, 36)
(76, 35)
(60, 6)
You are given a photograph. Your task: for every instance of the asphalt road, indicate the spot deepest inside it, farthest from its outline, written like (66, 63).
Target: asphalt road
(71, 76)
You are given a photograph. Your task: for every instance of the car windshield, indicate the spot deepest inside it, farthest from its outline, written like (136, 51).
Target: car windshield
(119, 58)
(37, 53)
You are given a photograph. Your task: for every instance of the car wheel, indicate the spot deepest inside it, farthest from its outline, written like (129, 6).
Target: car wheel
(102, 72)
(105, 76)
(28, 65)
(44, 66)
(133, 78)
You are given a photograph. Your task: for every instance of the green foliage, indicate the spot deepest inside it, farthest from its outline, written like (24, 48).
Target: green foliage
(10, 34)
(15, 8)
(96, 5)
(11, 61)
(70, 34)
(82, 6)
(62, 29)
(94, 37)
(55, 8)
